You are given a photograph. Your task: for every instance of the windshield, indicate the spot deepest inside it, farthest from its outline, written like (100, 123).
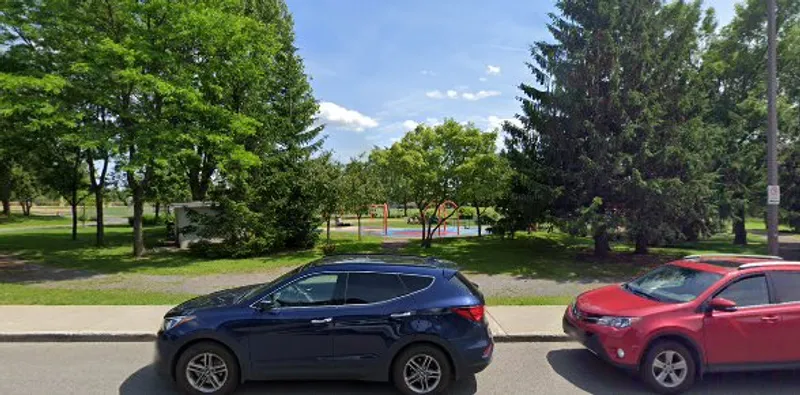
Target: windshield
(670, 283)
(262, 288)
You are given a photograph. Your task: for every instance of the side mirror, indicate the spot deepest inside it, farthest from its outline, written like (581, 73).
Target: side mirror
(722, 304)
(265, 304)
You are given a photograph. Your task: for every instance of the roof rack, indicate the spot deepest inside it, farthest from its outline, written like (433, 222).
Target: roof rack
(701, 256)
(768, 263)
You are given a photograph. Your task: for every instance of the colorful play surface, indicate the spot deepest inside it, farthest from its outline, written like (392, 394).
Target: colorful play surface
(408, 233)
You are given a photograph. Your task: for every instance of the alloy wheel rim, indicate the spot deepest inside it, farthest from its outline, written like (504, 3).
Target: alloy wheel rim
(669, 369)
(207, 372)
(422, 373)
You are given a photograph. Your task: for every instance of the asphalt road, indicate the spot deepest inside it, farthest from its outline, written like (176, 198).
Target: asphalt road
(521, 368)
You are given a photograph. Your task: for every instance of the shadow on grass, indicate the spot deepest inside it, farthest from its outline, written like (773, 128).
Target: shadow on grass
(561, 257)
(54, 247)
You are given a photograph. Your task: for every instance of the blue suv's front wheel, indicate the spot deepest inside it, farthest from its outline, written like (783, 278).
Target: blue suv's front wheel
(206, 368)
(422, 370)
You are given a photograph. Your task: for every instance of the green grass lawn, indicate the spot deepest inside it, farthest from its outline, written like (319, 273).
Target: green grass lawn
(16, 221)
(554, 256)
(558, 256)
(54, 247)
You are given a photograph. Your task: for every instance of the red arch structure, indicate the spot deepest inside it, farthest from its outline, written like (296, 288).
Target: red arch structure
(441, 212)
(385, 207)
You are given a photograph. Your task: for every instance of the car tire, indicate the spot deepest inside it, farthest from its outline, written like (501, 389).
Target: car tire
(207, 368)
(668, 368)
(406, 371)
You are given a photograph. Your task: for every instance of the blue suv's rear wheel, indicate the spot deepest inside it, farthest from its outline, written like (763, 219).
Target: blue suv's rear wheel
(422, 370)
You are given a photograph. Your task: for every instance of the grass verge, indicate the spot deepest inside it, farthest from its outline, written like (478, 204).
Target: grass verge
(28, 295)
(529, 300)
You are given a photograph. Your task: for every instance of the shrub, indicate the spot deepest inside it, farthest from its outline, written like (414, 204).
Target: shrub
(328, 248)
(151, 220)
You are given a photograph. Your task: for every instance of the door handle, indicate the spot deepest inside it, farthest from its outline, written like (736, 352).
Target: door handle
(322, 321)
(770, 318)
(401, 315)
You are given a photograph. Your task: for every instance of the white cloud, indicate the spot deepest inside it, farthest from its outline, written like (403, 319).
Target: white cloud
(496, 124)
(434, 94)
(433, 122)
(479, 95)
(492, 70)
(427, 72)
(350, 119)
(482, 79)
(409, 125)
(454, 94)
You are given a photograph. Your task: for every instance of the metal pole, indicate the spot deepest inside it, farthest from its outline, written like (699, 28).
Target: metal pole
(772, 131)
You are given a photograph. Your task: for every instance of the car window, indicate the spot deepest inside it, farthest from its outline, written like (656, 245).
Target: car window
(363, 288)
(465, 285)
(320, 290)
(786, 286)
(751, 291)
(416, 283)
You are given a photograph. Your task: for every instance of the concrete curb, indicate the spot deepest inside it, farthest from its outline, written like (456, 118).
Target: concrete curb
(120, 337)
(532, 338)
(67, 337)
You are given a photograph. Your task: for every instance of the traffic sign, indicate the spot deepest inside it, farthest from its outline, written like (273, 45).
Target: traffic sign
(774, 195)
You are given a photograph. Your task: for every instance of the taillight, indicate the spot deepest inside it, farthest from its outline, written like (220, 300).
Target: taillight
(472, 313)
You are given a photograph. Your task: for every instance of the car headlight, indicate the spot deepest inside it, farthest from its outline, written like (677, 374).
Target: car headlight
(617, 322)
(172, 322)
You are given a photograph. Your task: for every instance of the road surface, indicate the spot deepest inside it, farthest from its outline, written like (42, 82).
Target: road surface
(521, 368)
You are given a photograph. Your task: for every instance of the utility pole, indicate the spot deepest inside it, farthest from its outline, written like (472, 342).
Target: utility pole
(773, 190)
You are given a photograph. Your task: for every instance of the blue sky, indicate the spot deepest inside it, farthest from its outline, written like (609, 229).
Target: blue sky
(378, 67)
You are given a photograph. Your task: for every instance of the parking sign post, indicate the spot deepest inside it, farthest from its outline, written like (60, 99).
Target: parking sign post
(773, 191)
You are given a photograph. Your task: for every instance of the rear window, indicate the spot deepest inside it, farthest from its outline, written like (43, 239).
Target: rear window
(416, 283)
(467, 286)
(787, 286)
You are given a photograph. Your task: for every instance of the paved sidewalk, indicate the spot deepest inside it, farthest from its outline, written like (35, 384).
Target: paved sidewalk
(140, 323)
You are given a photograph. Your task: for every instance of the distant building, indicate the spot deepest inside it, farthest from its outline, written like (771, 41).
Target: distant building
(183, 219)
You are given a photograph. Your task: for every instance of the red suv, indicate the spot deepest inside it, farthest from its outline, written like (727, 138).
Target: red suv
(699, 314)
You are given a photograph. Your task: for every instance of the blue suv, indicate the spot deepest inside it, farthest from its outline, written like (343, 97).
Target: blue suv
(417, 322)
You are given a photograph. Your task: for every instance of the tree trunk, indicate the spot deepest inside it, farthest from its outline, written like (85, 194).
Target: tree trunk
(359, 226)
(422, 221)
(157, 209)
(138, 211)
(739, 231)
(478, 218)
(5, 189)
(601, 244)
(74, 205)
(26, 207)
(98, 206)
(328, 230)
(641, 244)
(405, 209)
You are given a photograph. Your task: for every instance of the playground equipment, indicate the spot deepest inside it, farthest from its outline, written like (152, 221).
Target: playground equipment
(373, 210)
(441, 212)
